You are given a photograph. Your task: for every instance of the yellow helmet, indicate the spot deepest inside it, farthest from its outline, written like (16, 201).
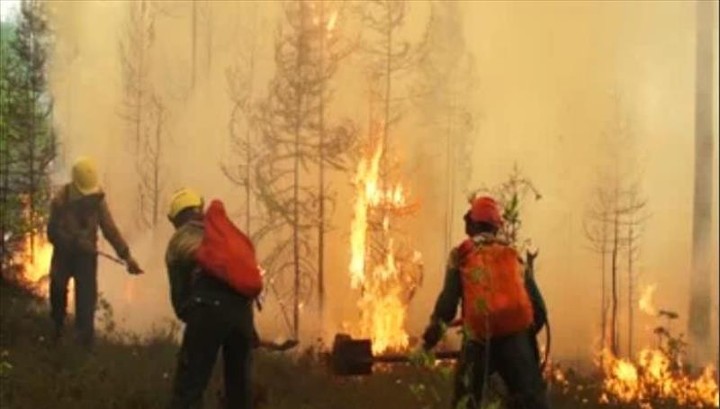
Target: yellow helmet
(85, 177)
(183, 199)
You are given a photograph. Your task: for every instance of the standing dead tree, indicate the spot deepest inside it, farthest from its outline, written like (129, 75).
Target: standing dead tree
(699, 317)
(293, 145)
(241, 78)
(636, 217)
(444, 96)
(613, 227)
(389, 62)
(385, 270)
(322, 143)
(143, 109)
(598, 235)
(334, 140)
(150, 168)
(135, 62)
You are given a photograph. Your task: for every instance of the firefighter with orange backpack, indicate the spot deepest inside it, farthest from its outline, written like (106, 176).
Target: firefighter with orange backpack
(502, 310)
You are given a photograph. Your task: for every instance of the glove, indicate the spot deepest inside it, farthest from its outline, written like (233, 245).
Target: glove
(432, 335)
(132, 266)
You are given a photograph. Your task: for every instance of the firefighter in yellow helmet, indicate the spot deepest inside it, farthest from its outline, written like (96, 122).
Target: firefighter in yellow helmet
(215, 316)
(77, 211)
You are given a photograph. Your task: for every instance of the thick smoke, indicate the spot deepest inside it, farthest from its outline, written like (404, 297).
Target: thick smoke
(550, 76)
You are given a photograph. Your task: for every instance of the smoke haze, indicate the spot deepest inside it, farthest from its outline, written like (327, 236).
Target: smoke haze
(553, 78)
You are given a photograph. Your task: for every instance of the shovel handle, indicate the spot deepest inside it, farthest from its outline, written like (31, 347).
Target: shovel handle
(111, 258)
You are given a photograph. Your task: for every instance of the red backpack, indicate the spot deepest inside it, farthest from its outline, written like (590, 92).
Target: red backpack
(228, 254)
(495, 302)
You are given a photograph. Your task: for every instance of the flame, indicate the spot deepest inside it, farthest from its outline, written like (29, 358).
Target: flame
(366, 182)
(646, 303)
(655, 376)
(384, 284)
(35, 261)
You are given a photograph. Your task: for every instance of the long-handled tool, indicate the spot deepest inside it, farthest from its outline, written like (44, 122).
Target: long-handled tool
(354, 356)
(111, 258)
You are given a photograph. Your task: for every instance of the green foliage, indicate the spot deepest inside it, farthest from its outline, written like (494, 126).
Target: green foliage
(512, 195)
(27, 142)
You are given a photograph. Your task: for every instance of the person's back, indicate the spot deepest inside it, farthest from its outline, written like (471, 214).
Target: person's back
(216, 317)
(189, 285)
(486, 276)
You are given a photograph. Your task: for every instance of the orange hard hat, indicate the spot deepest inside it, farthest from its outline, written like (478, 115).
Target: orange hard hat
(485, 209)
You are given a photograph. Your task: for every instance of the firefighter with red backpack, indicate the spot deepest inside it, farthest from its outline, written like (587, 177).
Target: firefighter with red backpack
(214, 280)
(502, 311)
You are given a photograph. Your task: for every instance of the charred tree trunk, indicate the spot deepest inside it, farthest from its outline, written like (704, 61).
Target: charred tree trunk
(321, 171)
(614, 278)
(700, 284)
(631, 287)
(296, 180)
(603, 303)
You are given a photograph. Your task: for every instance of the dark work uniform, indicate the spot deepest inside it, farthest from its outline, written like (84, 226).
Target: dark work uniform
(215, 317)
(514, 357)
(72, 229)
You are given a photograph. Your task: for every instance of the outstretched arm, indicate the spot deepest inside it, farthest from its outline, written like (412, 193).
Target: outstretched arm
(111, 232)
(446, 304)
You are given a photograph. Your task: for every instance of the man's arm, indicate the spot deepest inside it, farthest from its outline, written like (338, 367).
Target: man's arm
(446, 304)
(111, 232)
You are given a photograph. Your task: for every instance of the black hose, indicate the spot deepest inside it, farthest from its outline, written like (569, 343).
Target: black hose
(548, 339)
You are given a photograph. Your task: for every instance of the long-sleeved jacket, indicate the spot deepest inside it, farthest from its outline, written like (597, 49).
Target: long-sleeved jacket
(74, 221)
(447, 302)
(190, 286)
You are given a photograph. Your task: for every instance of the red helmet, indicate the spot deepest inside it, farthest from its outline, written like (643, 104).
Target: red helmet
(485, 209)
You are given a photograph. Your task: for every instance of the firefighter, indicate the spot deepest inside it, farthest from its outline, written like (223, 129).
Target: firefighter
(214, 314)
(512, 354)
(76, 212)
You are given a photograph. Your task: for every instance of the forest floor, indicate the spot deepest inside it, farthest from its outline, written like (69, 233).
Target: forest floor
(124, 371)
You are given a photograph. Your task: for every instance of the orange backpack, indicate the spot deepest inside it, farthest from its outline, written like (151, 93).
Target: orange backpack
(495, 302)
(227, 253)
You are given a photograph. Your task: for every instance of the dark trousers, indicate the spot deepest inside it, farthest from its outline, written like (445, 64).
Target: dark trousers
(208, 328)
(514, 359)
(82, 268)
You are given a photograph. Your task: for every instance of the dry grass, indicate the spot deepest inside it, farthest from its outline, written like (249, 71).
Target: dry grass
(130, 372)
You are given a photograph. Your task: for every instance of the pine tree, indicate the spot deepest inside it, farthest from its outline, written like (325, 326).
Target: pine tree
(28, 142)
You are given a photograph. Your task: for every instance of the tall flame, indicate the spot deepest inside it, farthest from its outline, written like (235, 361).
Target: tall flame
(383, 284)
(366, 182)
